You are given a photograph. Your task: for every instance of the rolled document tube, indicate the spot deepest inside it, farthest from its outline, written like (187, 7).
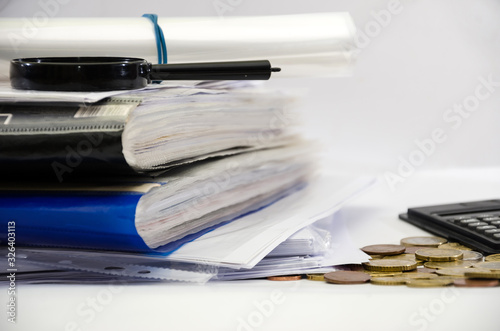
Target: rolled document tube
(302, 45)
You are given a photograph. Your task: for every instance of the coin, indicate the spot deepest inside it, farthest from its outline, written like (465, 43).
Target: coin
(492, 258)
(491, 265)
(472, 256)
(382, 273)
(452, 264)
(390, 265)
(454, 246)
(347, 277)
(383, 249)
(434, 282)
(319, 277)
(412, 249)
(426, 270)
(285, 278)
(350, 267)
(439, 254)
(454, 272)
(423, 241)
(405, 256)
(475, 282)
(388, 280)
(418, 275)
(482, 273)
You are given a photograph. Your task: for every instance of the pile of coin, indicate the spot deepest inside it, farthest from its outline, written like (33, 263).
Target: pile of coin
(419, 262)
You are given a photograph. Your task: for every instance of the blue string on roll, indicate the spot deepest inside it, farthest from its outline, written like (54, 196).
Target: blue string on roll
(161, 47)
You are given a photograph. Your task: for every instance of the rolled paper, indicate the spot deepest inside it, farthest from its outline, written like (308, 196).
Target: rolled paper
(301, 45)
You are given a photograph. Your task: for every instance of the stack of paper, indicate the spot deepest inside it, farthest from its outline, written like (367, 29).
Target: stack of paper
(186, 129)
(188, 181)
(144, 131)
(238, 250)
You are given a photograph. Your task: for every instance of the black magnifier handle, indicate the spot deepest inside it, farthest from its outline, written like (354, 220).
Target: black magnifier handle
(236, 70)
(123, 73)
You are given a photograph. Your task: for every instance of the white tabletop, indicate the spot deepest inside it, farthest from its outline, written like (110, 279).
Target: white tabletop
(296, 305)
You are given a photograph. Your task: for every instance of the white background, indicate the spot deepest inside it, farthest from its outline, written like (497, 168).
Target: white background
(409, 73)
(427, 59)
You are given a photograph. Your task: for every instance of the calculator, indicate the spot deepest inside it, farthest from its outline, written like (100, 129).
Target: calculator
(475, 224)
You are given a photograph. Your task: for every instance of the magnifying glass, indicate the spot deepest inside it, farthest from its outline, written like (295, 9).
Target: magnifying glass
(123, 73)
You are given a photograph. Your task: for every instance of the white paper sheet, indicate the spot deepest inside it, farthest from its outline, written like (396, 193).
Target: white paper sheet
(8, 94)
(11, 95)
(243, 243)
(341, 251)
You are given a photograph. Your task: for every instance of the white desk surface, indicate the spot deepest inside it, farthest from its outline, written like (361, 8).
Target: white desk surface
(299, 305)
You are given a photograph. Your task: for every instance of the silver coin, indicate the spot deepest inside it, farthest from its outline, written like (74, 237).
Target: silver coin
(472, 256)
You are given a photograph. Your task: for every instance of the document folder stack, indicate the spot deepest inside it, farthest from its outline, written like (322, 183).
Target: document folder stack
(145, 169)
(173, 181)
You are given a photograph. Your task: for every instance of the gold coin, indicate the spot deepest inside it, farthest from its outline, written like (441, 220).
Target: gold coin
(434, 282)
(384, 249)
(388, 280)
(482, 273)
(423, 241)
(410, 257)
(390, 265)
(492, 258)
(347, 277)
(491, 265)
(319, 277)
(285, 278)
(439, 254)
(452, 264)
(472, 256)
(406, 257)
(418, 275)
(455, 246)
(382, 273)
(453, 272)
(426, 270)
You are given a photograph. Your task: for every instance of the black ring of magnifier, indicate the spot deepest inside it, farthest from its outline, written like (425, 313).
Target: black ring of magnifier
(79, 73)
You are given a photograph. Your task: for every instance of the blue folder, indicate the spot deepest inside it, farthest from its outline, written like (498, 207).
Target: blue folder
(87, 219)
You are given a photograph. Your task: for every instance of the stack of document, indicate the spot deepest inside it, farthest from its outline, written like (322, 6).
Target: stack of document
(192, 181)
(238, 250)
(217, 208)
(216, 151)
(69, 134)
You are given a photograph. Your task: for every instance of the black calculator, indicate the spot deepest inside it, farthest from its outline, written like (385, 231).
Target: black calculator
(475, 224)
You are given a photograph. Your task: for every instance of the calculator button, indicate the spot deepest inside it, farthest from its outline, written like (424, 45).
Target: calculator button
(495, 223)
(459, 218)
(496, 236)
(468, 221)
(484, 215)
(485, 227)
(455, 220)
(492, 232)
(490, 219)
(476, 224)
